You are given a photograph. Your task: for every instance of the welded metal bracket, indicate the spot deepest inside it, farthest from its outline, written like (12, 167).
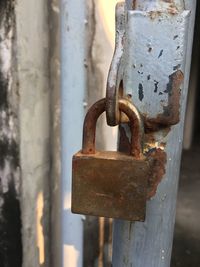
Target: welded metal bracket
(162, 38)
(149, 62)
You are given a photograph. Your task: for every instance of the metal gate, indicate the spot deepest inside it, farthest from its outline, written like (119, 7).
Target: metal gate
(152, 58)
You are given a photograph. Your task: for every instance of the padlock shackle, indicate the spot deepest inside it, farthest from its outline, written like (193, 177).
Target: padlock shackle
(136, 124)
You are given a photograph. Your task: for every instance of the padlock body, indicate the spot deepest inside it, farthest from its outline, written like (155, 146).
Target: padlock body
(110, 184)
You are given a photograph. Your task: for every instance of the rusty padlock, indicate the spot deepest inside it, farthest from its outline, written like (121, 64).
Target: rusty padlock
(110, 184)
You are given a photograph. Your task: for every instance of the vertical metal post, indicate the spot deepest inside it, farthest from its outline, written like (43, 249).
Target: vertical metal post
(149, 244)
(73, 84)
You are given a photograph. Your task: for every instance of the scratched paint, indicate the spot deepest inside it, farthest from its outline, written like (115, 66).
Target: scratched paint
(166, 83)
(155, 82)
(141, 92)
(166, 87)
(144, 45)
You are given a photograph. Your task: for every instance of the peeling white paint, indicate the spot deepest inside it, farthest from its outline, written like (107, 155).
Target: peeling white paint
(7, 174)
(5, 51)
(8, 127)
(32, 48)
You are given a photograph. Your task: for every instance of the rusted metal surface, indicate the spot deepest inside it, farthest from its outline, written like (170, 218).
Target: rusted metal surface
(89, 128)
(171, 111)
(111, 184)
(158, 159)
(156, 156)
(134, 5)
(93, 114)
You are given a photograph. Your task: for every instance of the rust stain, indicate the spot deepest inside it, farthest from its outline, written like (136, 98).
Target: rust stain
(156, 156)
(154, 14)
(134, 5)
(173, 10)
(158, 159)
(171, 112)
(150, 137)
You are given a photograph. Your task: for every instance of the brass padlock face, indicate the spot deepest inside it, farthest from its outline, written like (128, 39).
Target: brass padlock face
(110, 184)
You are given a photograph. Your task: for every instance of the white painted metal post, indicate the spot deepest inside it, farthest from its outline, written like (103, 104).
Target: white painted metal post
(72, 97)
(149, 244)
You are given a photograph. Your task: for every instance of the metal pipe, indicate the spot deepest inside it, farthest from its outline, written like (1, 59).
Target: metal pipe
(73, 84)
(149, 244)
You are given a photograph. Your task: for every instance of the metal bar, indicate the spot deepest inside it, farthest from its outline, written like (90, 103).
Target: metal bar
(101, 241)
(149, 244)
(54, 85)
(73, 84)
(190, 5)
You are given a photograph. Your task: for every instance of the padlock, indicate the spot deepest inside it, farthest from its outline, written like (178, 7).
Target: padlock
(109, 183)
